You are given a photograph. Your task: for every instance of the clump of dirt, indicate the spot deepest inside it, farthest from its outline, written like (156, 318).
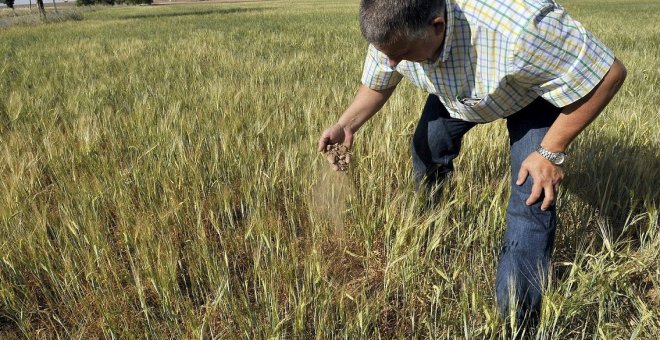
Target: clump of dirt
(339, 155)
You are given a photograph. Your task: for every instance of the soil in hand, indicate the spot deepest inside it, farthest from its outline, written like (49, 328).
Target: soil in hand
(339, 155)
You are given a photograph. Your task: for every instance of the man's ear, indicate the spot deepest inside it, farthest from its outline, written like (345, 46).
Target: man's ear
(439, 26)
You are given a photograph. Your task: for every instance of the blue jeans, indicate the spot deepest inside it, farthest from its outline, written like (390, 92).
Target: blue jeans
(530, 233)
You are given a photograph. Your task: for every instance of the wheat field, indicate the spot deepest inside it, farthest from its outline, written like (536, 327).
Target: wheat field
(159, 179)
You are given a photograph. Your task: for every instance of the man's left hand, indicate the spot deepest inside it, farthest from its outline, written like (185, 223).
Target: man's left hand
(546, 177)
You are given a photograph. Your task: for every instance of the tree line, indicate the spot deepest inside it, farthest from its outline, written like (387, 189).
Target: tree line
(42, 10)
(10, 3)
(112, 2)
(40, 4)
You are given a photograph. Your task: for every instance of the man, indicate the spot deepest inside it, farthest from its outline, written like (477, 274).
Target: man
(526, 61)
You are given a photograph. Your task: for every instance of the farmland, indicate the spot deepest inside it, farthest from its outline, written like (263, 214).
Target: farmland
(159, 178)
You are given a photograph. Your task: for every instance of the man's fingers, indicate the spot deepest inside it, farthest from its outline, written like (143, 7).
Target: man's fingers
(545, 180)
(535, 195)
(549, 199)
(323, 142)
(522, 175)
(549, 192)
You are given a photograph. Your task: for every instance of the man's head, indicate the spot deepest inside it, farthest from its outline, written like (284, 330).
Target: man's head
(404, 29)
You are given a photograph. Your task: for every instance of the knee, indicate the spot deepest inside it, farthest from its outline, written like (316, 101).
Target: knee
(517, 205)
(432, 141)
(429, 166)
(420, 146)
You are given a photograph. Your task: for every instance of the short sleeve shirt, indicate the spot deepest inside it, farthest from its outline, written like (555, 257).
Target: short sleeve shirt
(500, 55)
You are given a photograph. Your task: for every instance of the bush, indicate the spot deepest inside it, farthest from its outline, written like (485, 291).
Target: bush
(137, 2)
(9, 3)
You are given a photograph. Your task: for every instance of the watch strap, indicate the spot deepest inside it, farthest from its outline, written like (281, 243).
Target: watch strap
(556, 158)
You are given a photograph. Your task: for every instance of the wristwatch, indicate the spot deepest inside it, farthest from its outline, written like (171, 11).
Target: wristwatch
(556, 158)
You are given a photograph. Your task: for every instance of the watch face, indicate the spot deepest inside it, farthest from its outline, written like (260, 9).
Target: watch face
(559, 159)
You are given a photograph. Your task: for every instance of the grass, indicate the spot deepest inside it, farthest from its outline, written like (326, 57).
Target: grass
(158, 178)
(25, 16)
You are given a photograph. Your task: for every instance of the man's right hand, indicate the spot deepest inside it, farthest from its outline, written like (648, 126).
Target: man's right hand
(365, 104)
(333, 135)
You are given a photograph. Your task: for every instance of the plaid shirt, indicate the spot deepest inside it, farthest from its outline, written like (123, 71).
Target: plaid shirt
(500, 55)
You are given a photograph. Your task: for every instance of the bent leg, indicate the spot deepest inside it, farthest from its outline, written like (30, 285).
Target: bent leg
(529, 237)
(437, 141)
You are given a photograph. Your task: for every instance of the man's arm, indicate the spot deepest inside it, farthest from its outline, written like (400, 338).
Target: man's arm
(365, 104)
(573, 119)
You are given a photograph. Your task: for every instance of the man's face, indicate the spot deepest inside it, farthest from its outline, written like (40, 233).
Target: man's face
(418, 50)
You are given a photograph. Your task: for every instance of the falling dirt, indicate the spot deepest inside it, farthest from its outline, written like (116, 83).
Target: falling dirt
(332, 191)
(347, 267)
(330, 200)
(330, 195)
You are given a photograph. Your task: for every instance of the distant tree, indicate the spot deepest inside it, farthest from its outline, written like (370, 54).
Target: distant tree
(95, 2)
(9, 3)
(112, 2)
(42, 10)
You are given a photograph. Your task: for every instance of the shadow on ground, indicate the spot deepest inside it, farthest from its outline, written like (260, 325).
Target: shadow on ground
(619, 181)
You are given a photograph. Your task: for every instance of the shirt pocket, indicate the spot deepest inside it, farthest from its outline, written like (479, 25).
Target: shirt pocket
(470, 101)
(479, 108)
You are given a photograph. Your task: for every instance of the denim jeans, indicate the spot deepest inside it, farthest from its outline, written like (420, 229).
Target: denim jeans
(528, 240)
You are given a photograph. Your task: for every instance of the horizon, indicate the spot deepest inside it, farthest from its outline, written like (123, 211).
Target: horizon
(27, 2)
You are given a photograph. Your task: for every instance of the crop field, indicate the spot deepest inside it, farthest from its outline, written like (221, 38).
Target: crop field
(159, 179)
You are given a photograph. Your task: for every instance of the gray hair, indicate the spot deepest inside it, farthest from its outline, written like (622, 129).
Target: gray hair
(383, 21)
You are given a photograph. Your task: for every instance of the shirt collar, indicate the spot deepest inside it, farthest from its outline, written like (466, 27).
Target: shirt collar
(449, 30)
